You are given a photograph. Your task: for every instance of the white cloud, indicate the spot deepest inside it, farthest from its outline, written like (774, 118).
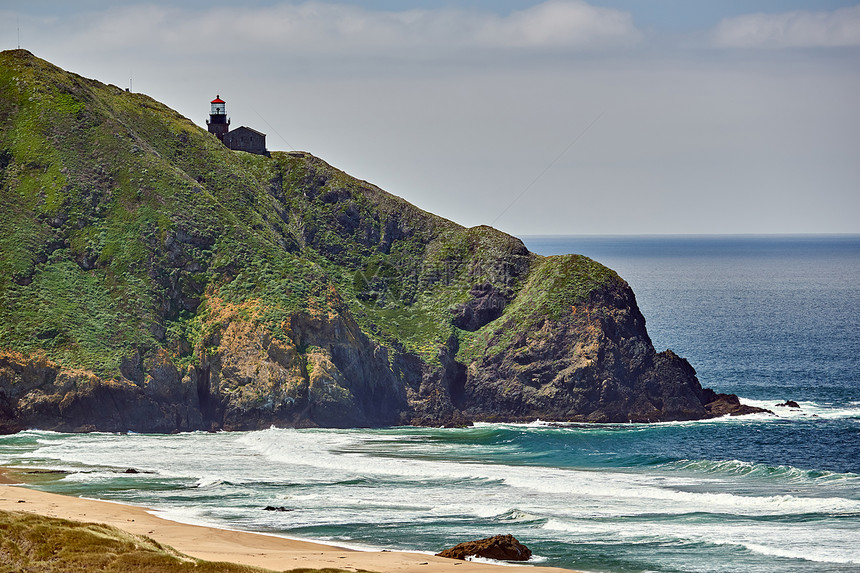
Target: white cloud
(839, 28)
(559, 23)
(327, 28)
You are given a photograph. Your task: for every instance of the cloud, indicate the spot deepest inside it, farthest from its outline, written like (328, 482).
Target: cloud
(559, 23)
(839, 28)
(318, 28)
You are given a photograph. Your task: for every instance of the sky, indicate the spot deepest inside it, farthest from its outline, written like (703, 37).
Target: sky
(574, 117)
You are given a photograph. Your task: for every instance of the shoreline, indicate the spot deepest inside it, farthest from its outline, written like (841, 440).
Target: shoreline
(265, 550)
(6, 480)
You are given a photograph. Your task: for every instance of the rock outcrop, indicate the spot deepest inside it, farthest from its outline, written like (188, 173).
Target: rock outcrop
(498, 547)
(153, 280)
(728, 405)
(39, 393)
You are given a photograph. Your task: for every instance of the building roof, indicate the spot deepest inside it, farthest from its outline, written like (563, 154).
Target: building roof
(249, 129)
(218, 100)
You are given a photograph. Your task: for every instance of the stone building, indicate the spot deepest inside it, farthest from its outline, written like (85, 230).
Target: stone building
(242, 138)
(246, 139)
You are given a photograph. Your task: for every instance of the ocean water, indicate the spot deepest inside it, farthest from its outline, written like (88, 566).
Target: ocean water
(768, 318)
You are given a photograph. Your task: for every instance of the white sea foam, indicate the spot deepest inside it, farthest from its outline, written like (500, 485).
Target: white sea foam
(192, 516)
(316, 458)
(810, 542)
(609, 492)
(89, 476)
(810, 552)
(208, 481)
(807, 409)
(331, 478)
(488, 561)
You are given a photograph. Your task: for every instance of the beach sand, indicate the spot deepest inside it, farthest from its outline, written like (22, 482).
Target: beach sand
(213, 544)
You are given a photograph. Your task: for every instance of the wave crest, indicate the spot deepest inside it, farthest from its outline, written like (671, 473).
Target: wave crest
(750, 469)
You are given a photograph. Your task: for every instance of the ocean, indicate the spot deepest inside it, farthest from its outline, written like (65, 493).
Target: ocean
(768, 318)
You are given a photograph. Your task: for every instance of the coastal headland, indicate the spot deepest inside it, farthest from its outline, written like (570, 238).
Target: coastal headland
(154, 280)
(219, 545)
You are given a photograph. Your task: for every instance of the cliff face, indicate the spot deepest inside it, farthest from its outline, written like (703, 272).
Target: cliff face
(577, 352)
(153, 280)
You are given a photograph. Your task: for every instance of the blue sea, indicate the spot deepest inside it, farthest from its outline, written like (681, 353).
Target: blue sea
(768, 318)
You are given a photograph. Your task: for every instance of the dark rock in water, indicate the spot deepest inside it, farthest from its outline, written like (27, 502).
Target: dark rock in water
(131, 471)
(500, 547)
(788, 404)
(722, 404)
(276, 508)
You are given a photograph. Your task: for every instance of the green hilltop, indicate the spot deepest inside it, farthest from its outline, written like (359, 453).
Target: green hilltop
(152, 279)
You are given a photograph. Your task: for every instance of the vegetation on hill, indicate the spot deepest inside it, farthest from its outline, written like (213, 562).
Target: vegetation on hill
(123, 217)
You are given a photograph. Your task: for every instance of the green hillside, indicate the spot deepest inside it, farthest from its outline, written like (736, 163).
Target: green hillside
(124, 216)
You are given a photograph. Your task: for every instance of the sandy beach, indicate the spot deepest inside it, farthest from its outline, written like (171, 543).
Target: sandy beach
(244, 548)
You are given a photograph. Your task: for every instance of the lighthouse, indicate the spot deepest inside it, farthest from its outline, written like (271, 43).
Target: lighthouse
(218, 122)
(240, 139)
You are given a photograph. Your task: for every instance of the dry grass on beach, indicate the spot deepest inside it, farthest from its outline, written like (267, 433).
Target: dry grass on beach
(35, 543)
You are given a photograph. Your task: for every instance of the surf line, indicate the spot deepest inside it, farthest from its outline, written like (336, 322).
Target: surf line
(548, 167)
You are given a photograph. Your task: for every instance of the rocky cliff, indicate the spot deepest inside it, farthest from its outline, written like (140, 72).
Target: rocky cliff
(153, 280)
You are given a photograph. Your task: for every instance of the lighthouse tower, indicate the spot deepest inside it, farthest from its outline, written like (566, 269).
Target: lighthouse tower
(218, 122)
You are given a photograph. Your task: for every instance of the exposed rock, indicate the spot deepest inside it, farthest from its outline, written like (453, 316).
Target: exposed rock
(249, 380)
(499, 547)
(342, 379)
(487, 304)
(723, 404)
(276, 508)
(595, 363)
(41, 394)
(788, 404)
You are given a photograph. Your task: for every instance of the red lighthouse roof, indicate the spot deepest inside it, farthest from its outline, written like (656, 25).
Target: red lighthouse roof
(218, 100)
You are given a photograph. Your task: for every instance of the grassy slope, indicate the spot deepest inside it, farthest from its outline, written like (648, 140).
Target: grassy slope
(84, 184)
(39, 544)
(554, 289)
(123, 218)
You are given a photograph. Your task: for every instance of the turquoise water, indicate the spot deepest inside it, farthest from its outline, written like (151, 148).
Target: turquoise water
(767, 318)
